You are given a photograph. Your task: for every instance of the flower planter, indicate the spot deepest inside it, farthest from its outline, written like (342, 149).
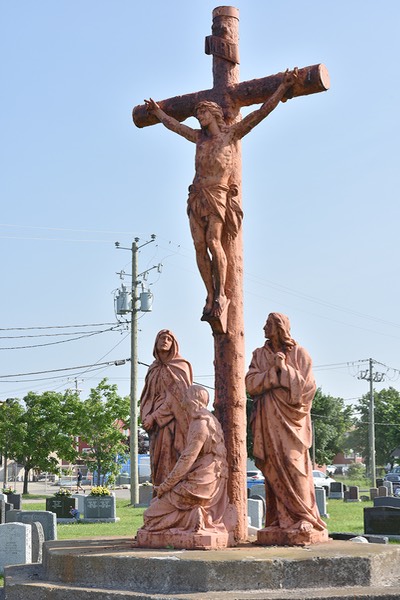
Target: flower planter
(61, 505)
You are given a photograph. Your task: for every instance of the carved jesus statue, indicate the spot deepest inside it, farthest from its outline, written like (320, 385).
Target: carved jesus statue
(212, 208)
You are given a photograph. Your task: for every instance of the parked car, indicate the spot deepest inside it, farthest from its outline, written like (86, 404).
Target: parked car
(322, 480)
(393, 476)
(254, 477)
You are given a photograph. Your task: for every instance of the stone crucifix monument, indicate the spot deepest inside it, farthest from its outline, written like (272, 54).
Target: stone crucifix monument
(215, 211)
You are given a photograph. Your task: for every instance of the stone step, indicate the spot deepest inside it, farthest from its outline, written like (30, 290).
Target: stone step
(34, 590)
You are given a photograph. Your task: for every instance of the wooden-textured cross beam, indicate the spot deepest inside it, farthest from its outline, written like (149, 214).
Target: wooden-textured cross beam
(231, 95)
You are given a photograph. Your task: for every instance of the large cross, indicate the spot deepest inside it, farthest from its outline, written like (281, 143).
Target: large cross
(231, 95)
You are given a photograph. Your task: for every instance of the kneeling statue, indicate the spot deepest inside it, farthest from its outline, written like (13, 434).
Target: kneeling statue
(192, 508)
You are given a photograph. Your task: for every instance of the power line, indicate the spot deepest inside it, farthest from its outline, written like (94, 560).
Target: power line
(117, 363)
(60, 341)
(56, 326)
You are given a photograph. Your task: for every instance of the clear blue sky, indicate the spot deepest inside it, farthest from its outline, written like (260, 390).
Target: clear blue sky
(320, 184)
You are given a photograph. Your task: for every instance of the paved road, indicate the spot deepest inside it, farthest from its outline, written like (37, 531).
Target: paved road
(40, 487)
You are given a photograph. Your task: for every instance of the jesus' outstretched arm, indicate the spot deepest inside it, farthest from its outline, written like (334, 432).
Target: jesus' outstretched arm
(169, 122)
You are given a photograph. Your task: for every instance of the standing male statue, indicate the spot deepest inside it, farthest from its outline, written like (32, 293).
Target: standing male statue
(212, 208)
(282, 386)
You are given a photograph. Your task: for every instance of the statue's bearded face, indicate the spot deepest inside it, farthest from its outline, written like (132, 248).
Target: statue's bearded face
(204, 116)
(270, 328)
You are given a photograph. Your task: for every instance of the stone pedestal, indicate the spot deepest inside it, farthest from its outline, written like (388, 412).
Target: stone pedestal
(184, 540)
(112, 569)
(274, 536)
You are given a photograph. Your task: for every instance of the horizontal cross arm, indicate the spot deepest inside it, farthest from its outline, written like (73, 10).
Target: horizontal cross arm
(311, 80)
(179, 107)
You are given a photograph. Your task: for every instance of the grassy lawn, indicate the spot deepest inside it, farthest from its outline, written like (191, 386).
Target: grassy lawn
(130, 521)
(343, 516)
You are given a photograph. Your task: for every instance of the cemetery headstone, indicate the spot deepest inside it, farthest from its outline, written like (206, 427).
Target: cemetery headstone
(2, 511)
(353, 494)
(145, 494)
(15, 544)
(15, 500)
(389, 486)
(100, 507)
(373, 492)
(255, 510)
(46, 518)
(320, 497)
(382, 491)
(37, 541)
(384, 520)
(80, 503)
(337, 489)
(387, 501)
(61, 506)
(257, 490)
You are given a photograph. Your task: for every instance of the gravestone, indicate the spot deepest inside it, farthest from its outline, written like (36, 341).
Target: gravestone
(320, 497)
(379, 482)
(353, 494)
(389, 486)
(387, 501)
(37, 541)
(15, 544)
(46, 518)
(337, 489)
(2, 510)
(382, 491)
(80, 503)
(373, 492)
(145, 494)
(257, 490)
(255, 510)
(15, 500)
(383, 520)
(61, 506)
(3, 497)
(100, 507)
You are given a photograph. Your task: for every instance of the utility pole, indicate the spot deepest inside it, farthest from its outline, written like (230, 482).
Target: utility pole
(368, 375)
(134, 309)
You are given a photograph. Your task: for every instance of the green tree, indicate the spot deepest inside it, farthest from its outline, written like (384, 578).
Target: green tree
(40, 426)
(11, 430)
(100, 423)
(331, 420)
(387, 425)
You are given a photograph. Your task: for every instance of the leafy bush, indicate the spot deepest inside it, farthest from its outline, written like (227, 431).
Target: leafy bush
(356, 471)
(100, 491)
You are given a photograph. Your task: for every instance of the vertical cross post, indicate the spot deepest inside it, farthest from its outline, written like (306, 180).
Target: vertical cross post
(230, 393)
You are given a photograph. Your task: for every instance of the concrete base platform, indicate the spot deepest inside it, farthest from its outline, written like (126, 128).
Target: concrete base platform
(184, 540)
(108, 568)
(274, 536)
